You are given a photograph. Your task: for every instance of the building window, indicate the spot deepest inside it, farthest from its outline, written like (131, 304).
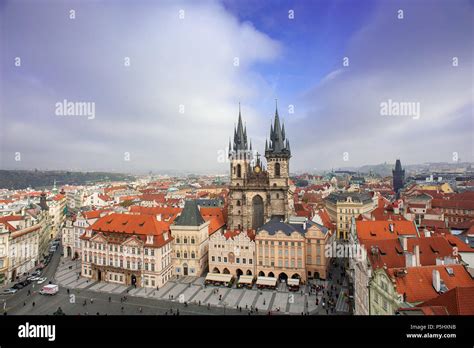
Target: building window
(277, 169)
(239, 171)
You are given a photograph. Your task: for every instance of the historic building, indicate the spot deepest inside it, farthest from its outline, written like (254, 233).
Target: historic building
(127, 249)
(343, 206)
(191, 231)
(232, 252)
(398, 177)
(258, 193)
(19, 243)
(292, 250)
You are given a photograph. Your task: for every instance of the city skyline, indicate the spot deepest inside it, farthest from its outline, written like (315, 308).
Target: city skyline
(166, 96)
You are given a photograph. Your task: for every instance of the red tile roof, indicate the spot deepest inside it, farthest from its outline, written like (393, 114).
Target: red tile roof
(390, 251)
(459, 244)
(371, 230)
(453, 204)
(129, 224)
(216, 217)
(168, 214)
(457, 301)
(417, 283)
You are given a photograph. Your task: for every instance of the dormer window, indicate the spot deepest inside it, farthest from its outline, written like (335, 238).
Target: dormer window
(149, 239)
(165, 236)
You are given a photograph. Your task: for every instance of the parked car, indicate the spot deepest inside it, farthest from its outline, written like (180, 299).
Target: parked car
(18, 286)
(36, 273)
(33, 278)
(42, 280)
(25, 282)
(10, 291)
(50, 289)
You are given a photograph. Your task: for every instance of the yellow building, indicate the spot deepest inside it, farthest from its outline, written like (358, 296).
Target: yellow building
(292, 250)
(342, 207)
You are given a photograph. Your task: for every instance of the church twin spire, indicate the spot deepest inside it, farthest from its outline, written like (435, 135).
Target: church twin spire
(278, 144)
(240, 136)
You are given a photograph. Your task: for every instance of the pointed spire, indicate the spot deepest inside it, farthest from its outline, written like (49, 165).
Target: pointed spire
(250, 144)
(240, 134)
(283, 131)
(266, 145)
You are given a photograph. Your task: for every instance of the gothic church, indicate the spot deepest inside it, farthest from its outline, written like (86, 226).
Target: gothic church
(259, 192)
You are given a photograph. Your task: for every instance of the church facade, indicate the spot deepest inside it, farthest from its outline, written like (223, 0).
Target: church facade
(259, 191)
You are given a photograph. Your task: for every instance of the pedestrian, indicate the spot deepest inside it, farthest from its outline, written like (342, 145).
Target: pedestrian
(67, 291)
(140, 309)
(24, 304)
(208, 306)
(33, 304)
(199, 302)
(110, 299)
(92, 300)
(29, 292)
(122, 309)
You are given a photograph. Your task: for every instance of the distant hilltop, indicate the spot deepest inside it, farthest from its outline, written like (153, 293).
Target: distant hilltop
(21, 179)
(385, 169)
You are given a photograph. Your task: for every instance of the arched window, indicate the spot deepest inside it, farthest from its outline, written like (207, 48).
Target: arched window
(239, 171)
(178, 254)
(277, 169)
(185, 240)
(238, 203)
(192, 240)
(185, 255)
(178, 240)
(193, 255)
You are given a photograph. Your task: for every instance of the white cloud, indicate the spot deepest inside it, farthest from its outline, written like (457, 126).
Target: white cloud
(174, 61)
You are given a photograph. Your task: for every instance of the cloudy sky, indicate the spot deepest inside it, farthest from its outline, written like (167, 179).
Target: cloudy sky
(166, 77)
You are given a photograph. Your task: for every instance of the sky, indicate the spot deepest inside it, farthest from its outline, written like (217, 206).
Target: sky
(162, 82)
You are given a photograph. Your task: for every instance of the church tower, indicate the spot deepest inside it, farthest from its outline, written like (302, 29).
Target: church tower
(258, 194)
(239, 154)
(278, 154)
(398, 177)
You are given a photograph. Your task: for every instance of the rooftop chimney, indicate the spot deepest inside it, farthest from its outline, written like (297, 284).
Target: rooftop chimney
(404, 241)
(436, 280)
(417, 255)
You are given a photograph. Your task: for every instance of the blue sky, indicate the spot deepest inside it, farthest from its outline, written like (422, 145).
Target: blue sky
(174, 106)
